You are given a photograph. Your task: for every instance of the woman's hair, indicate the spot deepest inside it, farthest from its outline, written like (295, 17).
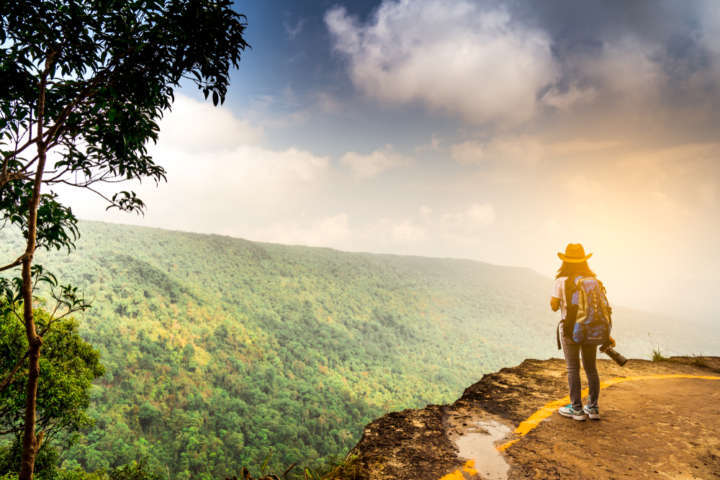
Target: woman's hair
(574, 269)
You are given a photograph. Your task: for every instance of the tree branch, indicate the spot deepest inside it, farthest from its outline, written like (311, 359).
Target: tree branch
(8, 380)
(86, 93)
(57, 176)
(17, 315)
(6, 178)
(15, 263)
(18, 151)
(69, 312)
(50, 135)
(101, 195)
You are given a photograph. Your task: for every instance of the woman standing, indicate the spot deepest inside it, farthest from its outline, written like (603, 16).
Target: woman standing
(575, 266)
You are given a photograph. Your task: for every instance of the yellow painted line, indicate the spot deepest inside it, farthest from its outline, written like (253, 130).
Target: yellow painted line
(468, 468)
(548, 409)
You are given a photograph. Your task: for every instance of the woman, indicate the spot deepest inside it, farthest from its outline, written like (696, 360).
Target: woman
(575, 265)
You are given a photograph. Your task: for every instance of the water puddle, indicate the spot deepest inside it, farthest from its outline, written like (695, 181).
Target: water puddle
(478, 444)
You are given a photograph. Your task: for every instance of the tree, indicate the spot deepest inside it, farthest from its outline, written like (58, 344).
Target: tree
(88, 81)
(68, 367)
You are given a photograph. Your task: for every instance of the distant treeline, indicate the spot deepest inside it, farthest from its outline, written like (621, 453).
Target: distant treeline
(220, 352)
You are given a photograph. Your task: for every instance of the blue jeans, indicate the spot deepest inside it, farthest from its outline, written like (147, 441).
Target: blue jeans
(572, 352)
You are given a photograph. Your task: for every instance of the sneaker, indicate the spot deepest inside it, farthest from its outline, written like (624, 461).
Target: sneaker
(592, 412)
(570, 412)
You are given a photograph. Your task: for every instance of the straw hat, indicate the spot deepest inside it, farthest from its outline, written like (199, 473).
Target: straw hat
(574, 253)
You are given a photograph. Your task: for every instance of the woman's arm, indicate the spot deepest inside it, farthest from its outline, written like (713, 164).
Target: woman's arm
(557, 294)
(554, 303)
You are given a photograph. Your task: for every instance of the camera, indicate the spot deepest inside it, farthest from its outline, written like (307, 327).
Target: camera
(616, 356)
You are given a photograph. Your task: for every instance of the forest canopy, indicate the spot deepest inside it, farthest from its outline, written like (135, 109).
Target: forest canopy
(67, 369)
(83, 85)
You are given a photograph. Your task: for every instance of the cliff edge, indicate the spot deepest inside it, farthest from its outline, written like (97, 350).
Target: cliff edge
(659, 420)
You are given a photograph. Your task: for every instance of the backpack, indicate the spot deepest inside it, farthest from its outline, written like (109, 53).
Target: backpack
(588, 311)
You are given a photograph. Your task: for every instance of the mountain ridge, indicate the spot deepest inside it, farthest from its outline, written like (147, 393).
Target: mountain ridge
(389, 255)
(219, 350)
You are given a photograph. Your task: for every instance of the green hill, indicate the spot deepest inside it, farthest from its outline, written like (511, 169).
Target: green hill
(219, 351)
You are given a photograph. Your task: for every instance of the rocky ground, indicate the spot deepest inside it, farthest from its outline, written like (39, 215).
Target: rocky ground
(652, 428)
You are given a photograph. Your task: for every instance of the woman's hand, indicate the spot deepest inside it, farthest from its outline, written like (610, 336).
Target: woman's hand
(609, 344)
(554, 303)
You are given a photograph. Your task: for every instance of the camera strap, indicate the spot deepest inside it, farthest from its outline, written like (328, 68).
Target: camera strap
(557, 335)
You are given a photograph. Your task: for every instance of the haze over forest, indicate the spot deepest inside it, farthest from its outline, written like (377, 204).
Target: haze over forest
(357, 125)
(219, 350)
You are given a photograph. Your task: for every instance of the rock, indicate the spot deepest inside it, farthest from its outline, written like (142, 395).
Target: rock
(421, 444)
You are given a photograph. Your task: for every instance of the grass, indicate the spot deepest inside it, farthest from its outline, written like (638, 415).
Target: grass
(657, 355)
(345, 468)
(699, 361)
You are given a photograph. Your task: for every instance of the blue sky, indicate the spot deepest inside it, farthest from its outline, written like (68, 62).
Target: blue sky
(292, 68)
(498, 131)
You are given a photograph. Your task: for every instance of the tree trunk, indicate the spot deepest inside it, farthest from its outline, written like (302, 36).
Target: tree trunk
(31, 443)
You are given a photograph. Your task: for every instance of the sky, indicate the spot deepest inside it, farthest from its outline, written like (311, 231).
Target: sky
(495, 131)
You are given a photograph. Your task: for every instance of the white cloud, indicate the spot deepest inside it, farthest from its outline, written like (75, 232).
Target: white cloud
(468, 222)
(328, 103)
(624, 66)
(293, 30)
(408, 232)
(710, 33)
(218, 156)
(221, 192)
(565, 100)
(469, 152)
(581, 146)
(515, 150)
(421, 234)
(332, 231)
(710, 24)
(233, 185)
(374, 163)
(194, 126)
(456, 56)
(708, 192)
(218, 180)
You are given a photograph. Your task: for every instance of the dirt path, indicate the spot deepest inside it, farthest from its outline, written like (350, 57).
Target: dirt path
(650, 429)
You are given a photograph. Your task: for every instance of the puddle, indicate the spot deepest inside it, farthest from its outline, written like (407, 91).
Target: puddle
(479, 444)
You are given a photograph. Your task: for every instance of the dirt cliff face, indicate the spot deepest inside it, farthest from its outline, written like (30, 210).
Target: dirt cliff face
(659, 420)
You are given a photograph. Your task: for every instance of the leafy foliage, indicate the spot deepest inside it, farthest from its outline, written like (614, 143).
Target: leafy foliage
(88, 80)
(218, 350)
(67, 369)
(94, 77)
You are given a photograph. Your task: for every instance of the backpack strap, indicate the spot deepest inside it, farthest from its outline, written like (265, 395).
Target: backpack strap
(570, 309)
(609, 308)
(557, 335)
(572, 283)
(569, 288)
